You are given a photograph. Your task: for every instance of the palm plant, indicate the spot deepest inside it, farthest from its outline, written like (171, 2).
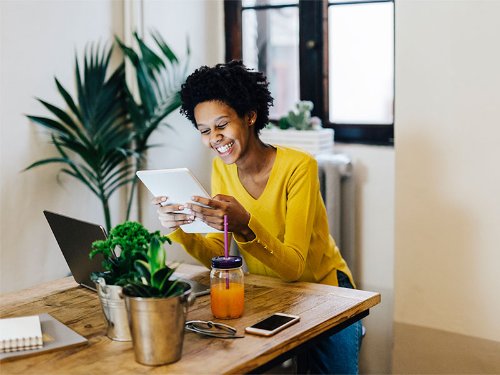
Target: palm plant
(159, 77)
(94, 128)
(102, 137)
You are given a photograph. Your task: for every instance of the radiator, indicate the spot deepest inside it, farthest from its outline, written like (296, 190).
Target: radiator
(337, 188)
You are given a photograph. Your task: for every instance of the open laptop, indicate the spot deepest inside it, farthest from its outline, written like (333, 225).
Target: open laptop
(75, 238)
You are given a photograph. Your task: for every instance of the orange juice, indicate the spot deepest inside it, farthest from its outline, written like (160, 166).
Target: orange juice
(227, 303)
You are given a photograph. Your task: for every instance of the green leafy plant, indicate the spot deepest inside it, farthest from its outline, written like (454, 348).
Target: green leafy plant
(102, 137)
(300, 118)
(127, 243)
(154, 276)
(92, 137)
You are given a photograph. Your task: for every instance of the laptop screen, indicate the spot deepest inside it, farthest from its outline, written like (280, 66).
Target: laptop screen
(75, 239)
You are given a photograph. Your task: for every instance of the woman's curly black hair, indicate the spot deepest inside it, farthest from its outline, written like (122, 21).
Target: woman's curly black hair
(242, 89)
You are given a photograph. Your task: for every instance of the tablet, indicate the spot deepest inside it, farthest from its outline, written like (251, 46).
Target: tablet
(178, 185)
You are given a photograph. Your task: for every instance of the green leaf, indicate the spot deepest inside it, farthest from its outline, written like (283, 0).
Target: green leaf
(156, 255)
(51, 124)
(63, 116)
(153, 62)
(68, 99)
(173, 289)
(143, 269)
(161, 276)
(46, 161)
(164, 47)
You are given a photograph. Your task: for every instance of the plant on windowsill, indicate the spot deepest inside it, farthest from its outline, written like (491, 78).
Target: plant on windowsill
(126, 244)
(300, 118)
(301, 130)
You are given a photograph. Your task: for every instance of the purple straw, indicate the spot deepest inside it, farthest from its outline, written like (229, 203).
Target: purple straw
(226, 252)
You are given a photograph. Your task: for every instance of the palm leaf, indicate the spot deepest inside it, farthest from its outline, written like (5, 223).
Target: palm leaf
(92, 136)
(164, 47)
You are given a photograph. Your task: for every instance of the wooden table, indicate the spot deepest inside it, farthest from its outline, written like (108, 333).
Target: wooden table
(323, 309)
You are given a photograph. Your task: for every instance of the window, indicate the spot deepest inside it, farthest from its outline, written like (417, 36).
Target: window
(338, 54)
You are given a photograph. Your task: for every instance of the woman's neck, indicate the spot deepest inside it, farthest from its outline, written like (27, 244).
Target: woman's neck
(259, 158)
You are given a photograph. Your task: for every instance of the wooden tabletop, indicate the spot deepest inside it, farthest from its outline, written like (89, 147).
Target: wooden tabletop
(320, 307)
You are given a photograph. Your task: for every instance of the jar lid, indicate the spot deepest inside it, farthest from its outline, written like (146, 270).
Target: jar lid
(232, 261)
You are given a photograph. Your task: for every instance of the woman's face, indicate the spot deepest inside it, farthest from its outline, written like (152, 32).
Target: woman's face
(223, 130)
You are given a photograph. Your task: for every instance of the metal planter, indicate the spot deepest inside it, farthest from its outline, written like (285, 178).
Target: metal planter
(157, 327)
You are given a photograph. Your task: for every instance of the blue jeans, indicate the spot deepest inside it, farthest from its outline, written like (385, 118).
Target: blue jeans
(338, 353)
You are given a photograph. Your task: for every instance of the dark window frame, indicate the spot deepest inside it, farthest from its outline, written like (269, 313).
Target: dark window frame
(313, 64)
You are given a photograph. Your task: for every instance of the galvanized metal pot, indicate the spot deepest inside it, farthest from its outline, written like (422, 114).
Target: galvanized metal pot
(157, 326)
(113, 307)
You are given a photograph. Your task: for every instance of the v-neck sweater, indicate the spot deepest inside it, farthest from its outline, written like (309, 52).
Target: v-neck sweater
(289, 220)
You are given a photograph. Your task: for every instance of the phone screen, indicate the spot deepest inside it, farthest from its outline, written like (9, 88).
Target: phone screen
(272, 322)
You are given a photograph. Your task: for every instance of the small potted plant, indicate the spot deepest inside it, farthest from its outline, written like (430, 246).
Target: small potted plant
(299, 129)
(157, 307)
(126, 243)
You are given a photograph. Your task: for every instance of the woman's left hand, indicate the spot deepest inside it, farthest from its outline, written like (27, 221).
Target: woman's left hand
(219, 206)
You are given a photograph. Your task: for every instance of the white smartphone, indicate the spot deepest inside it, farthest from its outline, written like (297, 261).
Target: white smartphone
(272, 324)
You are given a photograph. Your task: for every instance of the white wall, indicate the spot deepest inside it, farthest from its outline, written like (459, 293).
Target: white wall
(38, 42)
(447, 176)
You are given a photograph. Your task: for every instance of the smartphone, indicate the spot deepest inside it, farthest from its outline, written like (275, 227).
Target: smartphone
(272, 324)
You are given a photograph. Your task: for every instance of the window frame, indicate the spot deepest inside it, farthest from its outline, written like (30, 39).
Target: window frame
(313, 63)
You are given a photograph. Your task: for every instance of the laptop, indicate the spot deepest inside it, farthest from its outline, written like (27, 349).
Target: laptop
(75, 238)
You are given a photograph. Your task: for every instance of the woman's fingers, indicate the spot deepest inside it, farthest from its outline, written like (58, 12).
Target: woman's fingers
(204, 212)
(170, 208)
(174, 220)
(159, 200)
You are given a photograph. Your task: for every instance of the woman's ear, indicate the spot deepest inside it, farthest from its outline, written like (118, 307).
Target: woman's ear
(251, 118)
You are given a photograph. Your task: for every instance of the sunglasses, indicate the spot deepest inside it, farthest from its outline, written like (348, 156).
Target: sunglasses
(212, 329)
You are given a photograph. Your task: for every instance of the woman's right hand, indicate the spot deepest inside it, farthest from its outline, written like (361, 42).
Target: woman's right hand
(169, 215)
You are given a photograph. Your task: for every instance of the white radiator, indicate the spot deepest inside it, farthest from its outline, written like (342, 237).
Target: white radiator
(337, 189)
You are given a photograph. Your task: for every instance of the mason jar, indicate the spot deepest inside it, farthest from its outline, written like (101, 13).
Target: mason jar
(227, 289)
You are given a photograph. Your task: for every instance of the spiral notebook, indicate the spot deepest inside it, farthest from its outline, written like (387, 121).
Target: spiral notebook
(54, 334)
(23, 333)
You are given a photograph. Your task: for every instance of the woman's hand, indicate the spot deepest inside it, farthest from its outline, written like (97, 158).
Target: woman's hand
(219, 206)
(169, 216)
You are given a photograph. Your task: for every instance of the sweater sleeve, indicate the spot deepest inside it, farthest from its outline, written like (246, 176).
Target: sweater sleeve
(288, 258)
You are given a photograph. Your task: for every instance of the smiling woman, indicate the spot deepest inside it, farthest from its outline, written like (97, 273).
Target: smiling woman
(270, 195)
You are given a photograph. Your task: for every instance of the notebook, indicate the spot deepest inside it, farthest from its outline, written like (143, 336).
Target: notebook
(75, 239)
(55, 335)
(22, 333)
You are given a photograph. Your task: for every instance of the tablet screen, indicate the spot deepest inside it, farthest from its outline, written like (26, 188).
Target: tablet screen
(178, 185)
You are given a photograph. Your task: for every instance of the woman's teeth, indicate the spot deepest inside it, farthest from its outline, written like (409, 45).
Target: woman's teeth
(225, 148)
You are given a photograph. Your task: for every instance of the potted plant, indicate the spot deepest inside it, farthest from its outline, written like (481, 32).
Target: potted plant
(126, 243)
(101, 134)
(157, 307)
(299, 129)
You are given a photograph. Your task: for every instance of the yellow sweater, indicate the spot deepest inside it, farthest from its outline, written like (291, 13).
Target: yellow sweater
(289, 221)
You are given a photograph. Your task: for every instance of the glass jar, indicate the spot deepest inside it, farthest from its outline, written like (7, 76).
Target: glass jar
(227, 289)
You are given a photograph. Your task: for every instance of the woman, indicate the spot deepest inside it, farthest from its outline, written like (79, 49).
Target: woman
(270, 195)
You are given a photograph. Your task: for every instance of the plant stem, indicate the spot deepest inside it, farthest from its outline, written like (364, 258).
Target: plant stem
(131, 198)
(107, 216)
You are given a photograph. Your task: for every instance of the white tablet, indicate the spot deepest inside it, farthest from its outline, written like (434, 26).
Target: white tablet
(178, 185)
